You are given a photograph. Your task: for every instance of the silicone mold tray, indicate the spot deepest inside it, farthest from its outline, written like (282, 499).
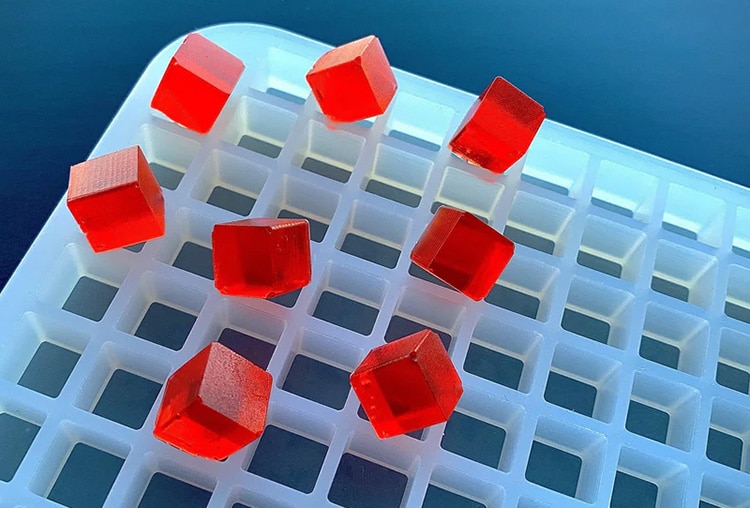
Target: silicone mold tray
(610, 364)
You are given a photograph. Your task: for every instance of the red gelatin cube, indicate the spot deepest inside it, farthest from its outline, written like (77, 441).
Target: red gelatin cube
(197, 83)
(354, 81)
(116, 200)
(499, 127)
(463, 252)
(215, 404)
(261, 258)
(407, 384)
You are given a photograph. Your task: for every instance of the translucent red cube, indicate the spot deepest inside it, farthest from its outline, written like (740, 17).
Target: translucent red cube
(354, 81)
(116, 200)
(261, 258)
(197, 83)
(499, 127)
(215, 404)
(462, 251)
(407, 384)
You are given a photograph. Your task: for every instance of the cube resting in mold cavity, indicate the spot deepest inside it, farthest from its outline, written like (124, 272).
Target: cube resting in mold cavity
(407, 384)
(197, 83)
(116, 200)
(499, 127)
(261, 258)
(215, 404)
(462, 251)
(354, 81)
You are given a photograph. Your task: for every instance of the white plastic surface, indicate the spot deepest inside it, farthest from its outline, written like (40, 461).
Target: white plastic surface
(574, 321)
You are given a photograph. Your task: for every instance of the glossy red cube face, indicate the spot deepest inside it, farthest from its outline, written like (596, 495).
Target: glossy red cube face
(197, 83)
(407, 385)
(116, 200)
(499, 127)
(354, 81)
(261, 258)
(215, 404)
(463, 252)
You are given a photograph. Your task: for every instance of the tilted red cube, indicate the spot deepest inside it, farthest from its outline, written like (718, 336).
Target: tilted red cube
(499, 127)
(197, 83)
(354, 81)
(116, 200)
(407, 384)
(215, 404)
(261, 258)
(462, 251)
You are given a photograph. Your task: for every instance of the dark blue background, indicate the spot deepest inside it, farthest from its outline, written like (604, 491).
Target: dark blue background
(668, 77)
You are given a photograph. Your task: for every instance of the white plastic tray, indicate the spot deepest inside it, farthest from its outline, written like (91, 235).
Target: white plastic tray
(573, 323)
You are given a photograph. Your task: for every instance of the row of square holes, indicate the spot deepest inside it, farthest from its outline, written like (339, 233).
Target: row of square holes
(263, 128)
(632, 193)
(290, 459)
(671, 338)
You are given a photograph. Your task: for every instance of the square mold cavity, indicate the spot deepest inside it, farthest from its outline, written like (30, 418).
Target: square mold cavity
(374, 235)
(122, 387)
(625, 191)
(466, 192)
(246, 331)
(674, 339)
(695, 215)
(719, 493)
(554, 166)
(288, 458)
(503, 354)
(737, 304)
(296, 199)
(598, 312)
(282, 73)
(685, 274)
(230, 182)
(436, 497)
(350, 299)
(729, 435)
(318, 369)
(397, 175)
(16, 436)
(260, 127)
(567, 459)
(98, 467)
(84, 283)
(419, 121)
(162, 311)
(526, 288)
(663, 411)
(649, 482)
(611, 249)
(166, 491)
(417, 310)
(369, 474)
(188, 246)
(539, 223)
(168, 154)
(484, 430)
(733, 369)
(741, 239)
(75, 453)
(41, 354)
(328, 153)
(449, 487)
(583, 382)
